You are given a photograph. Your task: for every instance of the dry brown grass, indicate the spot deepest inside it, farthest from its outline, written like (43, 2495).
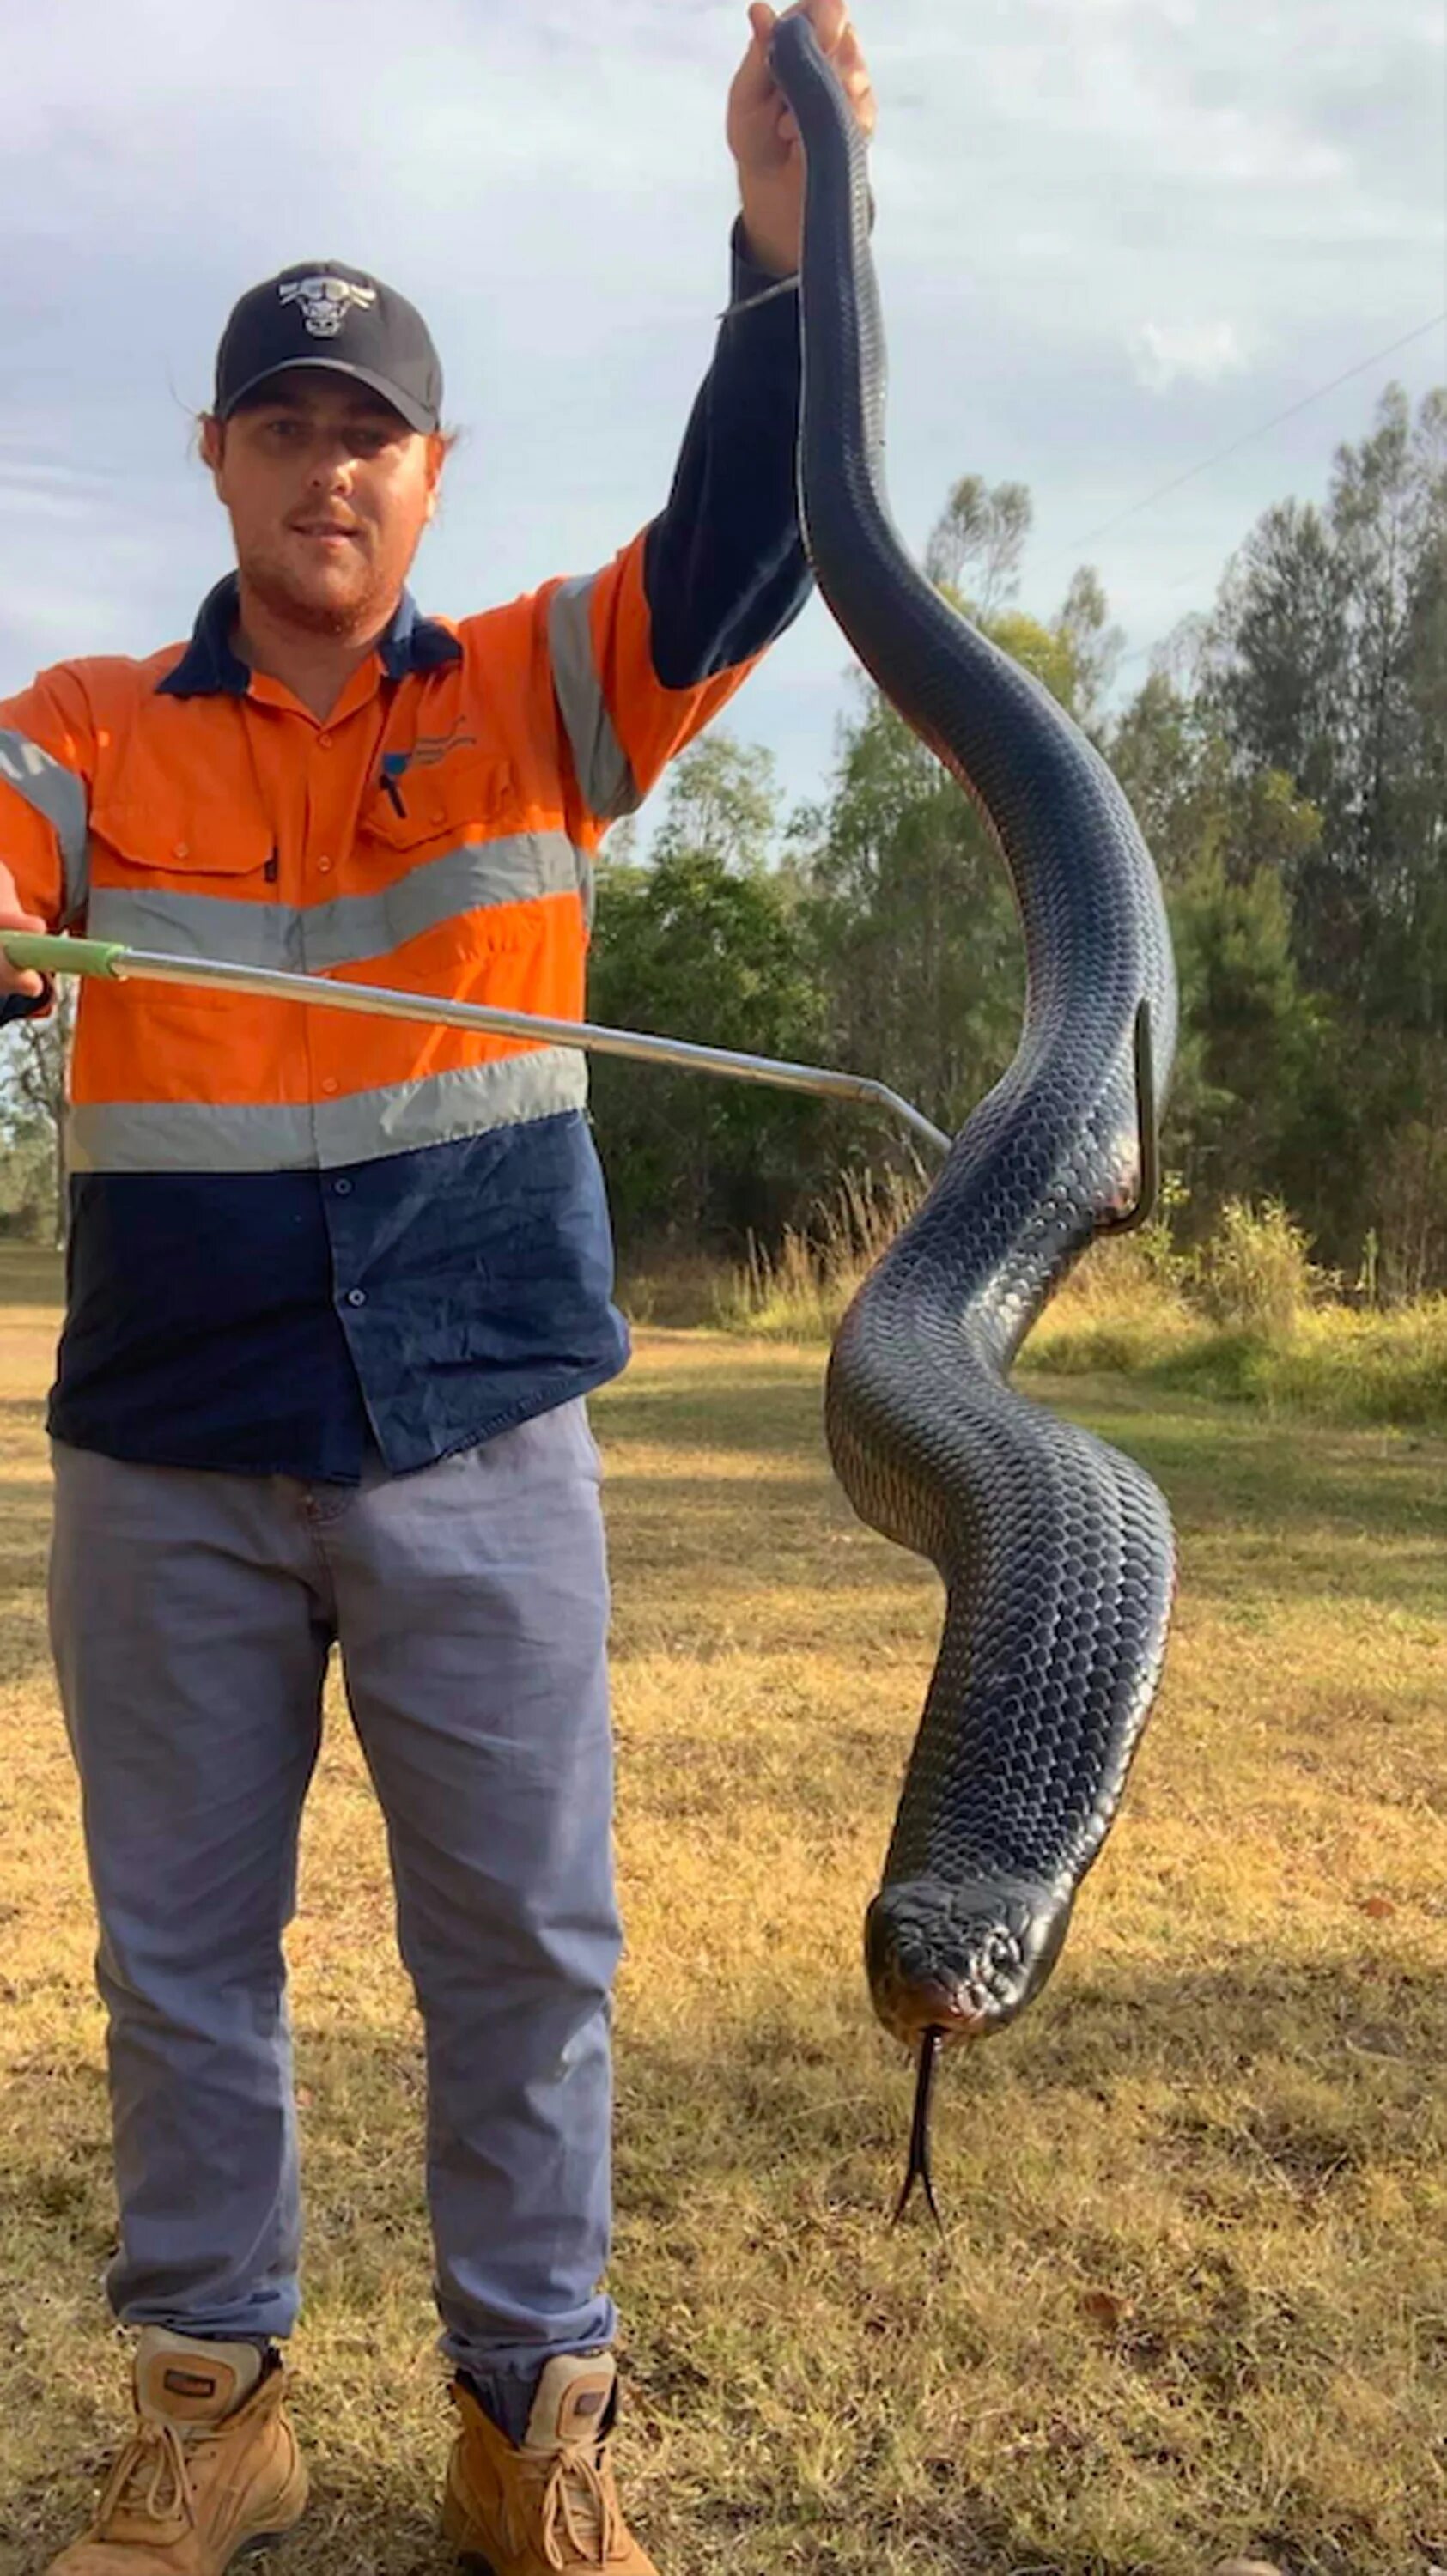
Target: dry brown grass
(1195, 2293)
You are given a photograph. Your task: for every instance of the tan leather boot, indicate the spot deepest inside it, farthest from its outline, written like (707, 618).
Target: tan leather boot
(548, 2505)
(212, 2465)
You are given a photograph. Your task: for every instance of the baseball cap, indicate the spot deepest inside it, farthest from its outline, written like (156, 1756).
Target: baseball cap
(324, 314)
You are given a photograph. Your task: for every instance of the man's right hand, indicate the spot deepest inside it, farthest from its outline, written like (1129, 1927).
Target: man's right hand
(15, 979)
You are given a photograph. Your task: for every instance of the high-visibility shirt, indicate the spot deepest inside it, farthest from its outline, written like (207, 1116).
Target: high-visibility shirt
(296, 1232)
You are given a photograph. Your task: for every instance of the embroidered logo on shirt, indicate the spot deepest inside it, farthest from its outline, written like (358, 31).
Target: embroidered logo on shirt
(427, 750)
(430, 747)
(326, 302)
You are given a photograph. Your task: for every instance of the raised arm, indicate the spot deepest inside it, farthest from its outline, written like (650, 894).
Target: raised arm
(646, 652)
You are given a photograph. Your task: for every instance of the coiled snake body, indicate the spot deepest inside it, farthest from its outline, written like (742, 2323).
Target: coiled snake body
(1055, 1551)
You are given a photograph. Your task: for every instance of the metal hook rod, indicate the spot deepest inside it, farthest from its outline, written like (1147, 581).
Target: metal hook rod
(119, 964)
(1148, 1179)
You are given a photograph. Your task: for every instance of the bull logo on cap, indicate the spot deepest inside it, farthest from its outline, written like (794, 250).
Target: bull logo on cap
(326, 302)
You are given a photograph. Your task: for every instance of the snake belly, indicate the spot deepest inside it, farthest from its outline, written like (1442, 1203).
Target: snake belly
(1055, 1551)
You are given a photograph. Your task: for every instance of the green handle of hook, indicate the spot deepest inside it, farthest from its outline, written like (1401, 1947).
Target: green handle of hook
(36, 951)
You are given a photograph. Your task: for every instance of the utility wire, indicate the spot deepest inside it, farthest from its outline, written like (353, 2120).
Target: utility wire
(1108, 526)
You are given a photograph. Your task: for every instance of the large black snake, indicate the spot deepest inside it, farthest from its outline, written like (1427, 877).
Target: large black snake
(1055, 1551)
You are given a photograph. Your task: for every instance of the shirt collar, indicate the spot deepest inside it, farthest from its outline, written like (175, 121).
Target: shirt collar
(210, 667)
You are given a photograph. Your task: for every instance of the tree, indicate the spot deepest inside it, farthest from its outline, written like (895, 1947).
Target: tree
(1275, 675)
(1253, 1080)
(913, 924)
(1309, 743)
(981, 532)
(723, 804)
(1094, 645)
(706, 942)
(910, 902)
(1329, 663)
(32, 1119)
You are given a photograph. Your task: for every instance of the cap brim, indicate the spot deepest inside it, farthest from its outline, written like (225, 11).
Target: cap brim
(416, 414)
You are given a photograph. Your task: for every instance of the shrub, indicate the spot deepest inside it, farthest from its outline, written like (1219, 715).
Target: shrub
(1256, 1272)
(800, 1292)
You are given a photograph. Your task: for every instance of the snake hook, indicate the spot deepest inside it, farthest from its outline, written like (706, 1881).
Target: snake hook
(1127, 1220)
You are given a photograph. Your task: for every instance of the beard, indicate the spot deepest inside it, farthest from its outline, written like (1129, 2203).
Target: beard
(344, 619)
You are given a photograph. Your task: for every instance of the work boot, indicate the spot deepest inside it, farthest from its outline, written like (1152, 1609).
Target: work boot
(211, 2466)
(547, 2504)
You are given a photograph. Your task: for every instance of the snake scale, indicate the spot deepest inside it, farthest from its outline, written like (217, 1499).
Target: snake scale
(1055, 1551)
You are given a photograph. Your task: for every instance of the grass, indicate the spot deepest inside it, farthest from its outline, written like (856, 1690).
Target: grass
(1323, 1361)
(1332, 1365)
(1194, 2297)
(1245, 1318)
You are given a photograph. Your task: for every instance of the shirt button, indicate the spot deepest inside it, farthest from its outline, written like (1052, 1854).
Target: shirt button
(356, 1296)
(325, 866)
(343, 1189)
(324, 742)
(330, 1083)
(183, 849)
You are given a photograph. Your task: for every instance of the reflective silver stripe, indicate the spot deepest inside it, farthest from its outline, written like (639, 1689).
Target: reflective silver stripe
(353, 927)
(604, 775)
(191, 1136)
(60, 796)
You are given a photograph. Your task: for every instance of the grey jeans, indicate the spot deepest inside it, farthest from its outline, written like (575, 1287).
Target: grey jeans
(192, 1617)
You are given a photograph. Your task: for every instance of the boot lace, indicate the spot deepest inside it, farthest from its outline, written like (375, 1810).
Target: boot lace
(579, 2506)
(151, 2477)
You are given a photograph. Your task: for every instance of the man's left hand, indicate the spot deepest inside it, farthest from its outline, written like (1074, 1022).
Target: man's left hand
(764, 138)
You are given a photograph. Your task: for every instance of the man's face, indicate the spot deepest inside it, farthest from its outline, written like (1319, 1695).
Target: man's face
(328, 492)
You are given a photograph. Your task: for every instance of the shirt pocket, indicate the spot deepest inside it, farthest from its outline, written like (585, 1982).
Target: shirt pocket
(463, 851)
(202, 886)
(472, 796)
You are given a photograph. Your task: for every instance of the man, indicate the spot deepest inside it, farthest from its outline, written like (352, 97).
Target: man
(339, 1287)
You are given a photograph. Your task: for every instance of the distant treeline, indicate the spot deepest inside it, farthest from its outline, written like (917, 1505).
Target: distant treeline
(1287, 758)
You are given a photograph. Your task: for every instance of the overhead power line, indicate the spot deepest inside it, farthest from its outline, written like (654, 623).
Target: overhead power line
(1162, 491)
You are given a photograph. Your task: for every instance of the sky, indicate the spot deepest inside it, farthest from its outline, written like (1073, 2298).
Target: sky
(1114, 237)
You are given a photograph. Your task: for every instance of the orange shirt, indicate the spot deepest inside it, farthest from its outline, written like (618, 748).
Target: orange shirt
(436, 834)
(296, 1230)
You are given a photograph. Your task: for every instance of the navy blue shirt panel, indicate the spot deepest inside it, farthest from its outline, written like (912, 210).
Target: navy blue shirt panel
(724, 567)
(278, 1323)
(24, 1006)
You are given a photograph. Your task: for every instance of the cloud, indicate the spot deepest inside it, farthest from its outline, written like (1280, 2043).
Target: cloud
(551, 186)
(1200, 353)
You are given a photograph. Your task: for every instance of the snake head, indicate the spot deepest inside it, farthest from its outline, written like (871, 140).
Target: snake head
(960, 1956)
